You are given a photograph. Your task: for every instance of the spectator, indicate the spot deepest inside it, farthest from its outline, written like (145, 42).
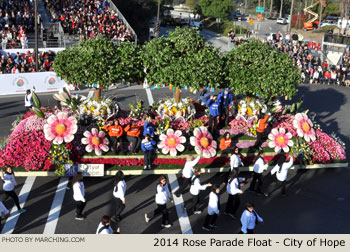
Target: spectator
(115, 133)
(133, 135)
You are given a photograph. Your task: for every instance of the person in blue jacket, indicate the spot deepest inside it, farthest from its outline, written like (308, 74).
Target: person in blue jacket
(149, 127)
(214, 113)
(147, 145)
(204, 96)
(225, 99)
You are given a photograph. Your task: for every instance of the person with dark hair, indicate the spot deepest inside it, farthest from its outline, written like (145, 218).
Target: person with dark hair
(79, 195)
(9, 184)
(214, 113)
(162, 197)
(187, 173)
(133, 135)
(148, 145)
(249, 219)
(226, 144)
(259, 167)
(148, 127)
(119, 195)
(225, 99)
(195, 189)
(235, 162)
(115, 133)
(105, 225)
(261, 129)
(281, 170)
(28, 100)
(213, 209)
(204, 96)
(233, 189)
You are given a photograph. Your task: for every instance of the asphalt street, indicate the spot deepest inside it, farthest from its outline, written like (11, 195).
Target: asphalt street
(317, 202)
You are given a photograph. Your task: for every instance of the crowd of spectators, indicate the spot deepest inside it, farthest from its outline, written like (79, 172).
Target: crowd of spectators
(306, 56)
(16, 20)
(25, 62)
(88, 18)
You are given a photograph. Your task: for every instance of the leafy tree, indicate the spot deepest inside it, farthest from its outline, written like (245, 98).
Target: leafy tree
(257, 67)
(99, 61)
(216, 8)
(182, 59)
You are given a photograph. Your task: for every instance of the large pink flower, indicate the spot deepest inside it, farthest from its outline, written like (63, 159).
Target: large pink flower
(95, 140)
(171, 142)
(280, 140)
(203, 142)
(60, 127)
(304, 128)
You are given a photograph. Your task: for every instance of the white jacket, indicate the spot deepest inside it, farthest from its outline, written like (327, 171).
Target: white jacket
(28, 101)
(196, 187)
(260, 166)
(235, 161)
(79, 191)
(121, 190)
(248, 220)
(213, 206)
(282, 176)
(162, 195)
(108, 230)
(187, 171)
(232, 188)
(9, 182)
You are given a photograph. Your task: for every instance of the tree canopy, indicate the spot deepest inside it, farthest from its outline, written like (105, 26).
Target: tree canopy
(183, 59)
(99, 61)
(257, 67)
(216, 8)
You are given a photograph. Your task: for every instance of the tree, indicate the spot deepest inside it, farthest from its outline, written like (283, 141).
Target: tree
(216, 8)
(99, 61)
(182, 59)
(257, 67)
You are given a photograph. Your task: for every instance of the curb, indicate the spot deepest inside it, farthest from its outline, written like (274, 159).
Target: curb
(178, 171)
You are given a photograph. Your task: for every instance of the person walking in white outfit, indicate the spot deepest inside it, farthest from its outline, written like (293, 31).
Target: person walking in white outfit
(187, 173)
(162, 197)
(195, 189)
(281, 170)
(9, 187)
(79, 195)
(259, 167)
(105, 226)
(249, 219)
(213, 209)
(119, 195)
(235, 162)
(233, 190)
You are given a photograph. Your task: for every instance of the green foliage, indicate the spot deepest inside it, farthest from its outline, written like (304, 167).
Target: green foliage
(329, 10)
(182, 59)
(257, 67)
(216, 8)
(99, 61)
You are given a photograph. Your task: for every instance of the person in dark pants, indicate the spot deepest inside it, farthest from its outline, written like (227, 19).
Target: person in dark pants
(235, 162)
(225, 100)
(195, 189)
(233, 190)
(260, 130)
(162, 197)
(79, 195)
(8, 178)
(119, 195)
(214, 113)
(226, 144)
(133, 135)
(148, 145)
(28, 100)
(259, 167)
(281, 170)
(187, 173)
(249, 219)
(213, 209)
(115, 133)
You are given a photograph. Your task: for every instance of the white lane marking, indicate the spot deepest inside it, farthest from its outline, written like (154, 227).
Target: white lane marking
(149, 93)
(179, 204)
(23, 195)
(270, 28)
(56, 206)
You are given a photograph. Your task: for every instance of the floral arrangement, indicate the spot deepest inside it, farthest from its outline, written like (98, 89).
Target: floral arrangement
(98, 109)
(250, 106)
(286, 122)
(303, 126)
(60, 127)
(172, 142)
(280, 140)
(169, 108)
(95, 141)
(138, 110)
(203, 142)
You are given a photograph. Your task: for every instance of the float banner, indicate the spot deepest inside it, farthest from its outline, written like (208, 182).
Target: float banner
(88, 170)
(19, 83)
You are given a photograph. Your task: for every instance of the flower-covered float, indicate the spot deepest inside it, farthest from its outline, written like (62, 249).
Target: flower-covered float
(49, 138)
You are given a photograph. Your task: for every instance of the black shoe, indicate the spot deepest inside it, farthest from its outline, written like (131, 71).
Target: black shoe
(266, 195)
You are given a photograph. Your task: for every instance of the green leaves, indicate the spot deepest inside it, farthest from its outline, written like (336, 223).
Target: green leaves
(257, 67)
